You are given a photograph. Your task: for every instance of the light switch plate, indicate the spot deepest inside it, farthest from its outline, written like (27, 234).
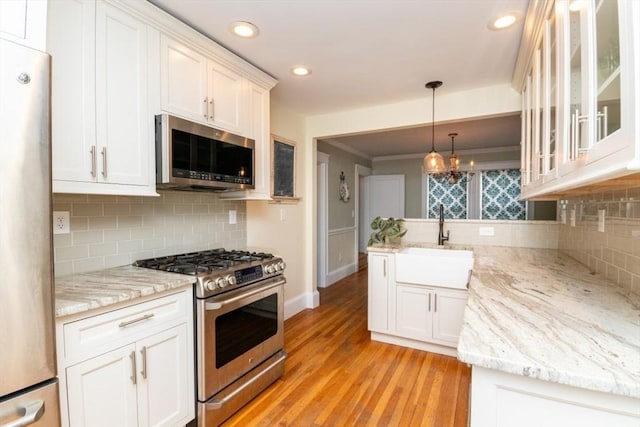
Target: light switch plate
(233, 217)
(572, 217)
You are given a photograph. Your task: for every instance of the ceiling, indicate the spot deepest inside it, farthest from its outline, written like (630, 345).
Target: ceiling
(369, 52)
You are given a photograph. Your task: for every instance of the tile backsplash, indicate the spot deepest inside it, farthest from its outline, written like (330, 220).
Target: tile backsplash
(108, 231)
(614, 252)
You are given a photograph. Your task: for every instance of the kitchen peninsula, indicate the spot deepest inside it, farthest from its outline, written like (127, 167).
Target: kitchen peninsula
(548, 341)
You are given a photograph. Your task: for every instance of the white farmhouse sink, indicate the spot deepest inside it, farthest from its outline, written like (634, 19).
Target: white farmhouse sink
(448, 268)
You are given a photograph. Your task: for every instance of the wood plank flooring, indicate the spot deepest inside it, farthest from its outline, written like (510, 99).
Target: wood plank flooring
(336, 376)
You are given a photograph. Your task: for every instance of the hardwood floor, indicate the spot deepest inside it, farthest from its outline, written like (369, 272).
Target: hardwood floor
(336, 376)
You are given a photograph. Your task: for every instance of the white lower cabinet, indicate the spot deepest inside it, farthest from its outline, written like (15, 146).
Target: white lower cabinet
(500, 399)
(129, 367)
(417, 316)
(430, 314)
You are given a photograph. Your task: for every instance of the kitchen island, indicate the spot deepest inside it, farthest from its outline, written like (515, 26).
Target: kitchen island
(549, 342)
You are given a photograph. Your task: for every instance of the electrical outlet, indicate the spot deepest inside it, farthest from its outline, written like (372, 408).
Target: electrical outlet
(233, 219)
(61, 222)
(283, 214)
(487, 231)
(572, 217)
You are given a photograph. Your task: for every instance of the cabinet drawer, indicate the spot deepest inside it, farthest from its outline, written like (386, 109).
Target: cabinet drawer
(96, 334)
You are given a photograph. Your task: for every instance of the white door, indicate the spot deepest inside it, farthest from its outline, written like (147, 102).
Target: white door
(448, 312)
(384, 197)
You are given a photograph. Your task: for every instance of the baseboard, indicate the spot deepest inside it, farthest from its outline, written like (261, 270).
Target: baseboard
(411, 343)
(340, 273)
(301, 302)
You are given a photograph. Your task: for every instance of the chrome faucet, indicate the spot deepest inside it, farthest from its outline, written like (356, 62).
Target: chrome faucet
(441, 237)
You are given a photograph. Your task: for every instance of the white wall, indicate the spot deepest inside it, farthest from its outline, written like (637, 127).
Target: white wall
(281, 228)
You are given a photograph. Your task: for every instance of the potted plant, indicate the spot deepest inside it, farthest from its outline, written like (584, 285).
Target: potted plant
(386, 231)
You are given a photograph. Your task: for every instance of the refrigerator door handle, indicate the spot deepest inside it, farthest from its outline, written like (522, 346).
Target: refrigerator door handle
(31, 412)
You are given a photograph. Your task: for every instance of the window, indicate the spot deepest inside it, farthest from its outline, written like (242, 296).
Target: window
(452, 196)
(490, 194)
(500, 191)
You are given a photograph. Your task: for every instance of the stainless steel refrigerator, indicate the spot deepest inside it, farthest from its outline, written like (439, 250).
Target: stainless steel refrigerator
(28, 383)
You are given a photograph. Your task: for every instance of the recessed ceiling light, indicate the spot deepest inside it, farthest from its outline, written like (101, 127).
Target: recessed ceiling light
(503, 21)
(300, 70)
(244, 29)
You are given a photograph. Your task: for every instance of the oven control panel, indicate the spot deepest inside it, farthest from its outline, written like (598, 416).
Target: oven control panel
(214, 284)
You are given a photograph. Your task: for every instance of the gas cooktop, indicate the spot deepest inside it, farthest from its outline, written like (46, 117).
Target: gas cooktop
(219, 270)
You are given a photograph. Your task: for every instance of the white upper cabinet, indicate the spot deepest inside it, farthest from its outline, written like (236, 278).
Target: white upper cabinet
(580, 95)
(24, 22)
(198, 88)
(102, 131)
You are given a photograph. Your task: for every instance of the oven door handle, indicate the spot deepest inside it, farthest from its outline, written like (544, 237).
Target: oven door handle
(217, 305)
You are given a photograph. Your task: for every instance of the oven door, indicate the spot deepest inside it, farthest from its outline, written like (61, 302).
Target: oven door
(237, 331)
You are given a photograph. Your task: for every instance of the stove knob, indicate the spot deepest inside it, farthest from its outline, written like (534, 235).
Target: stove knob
(231, 280)
(280, 266)
(269, 269)
(210, 285)
(220, 282)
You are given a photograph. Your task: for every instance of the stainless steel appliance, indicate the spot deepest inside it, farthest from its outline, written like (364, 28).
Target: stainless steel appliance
(239, 325)
(191, 156)
(28, 384)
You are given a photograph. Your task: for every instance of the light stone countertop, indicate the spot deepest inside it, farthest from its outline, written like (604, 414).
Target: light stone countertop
(82, 292)
(540, 314)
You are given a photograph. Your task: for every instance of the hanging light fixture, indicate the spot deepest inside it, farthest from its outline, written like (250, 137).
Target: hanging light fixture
(433, 162)
(454, 174)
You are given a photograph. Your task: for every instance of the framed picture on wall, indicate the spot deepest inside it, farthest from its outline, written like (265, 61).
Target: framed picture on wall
(283, 169)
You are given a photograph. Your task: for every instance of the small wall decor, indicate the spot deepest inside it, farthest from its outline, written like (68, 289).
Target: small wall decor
(344, 189)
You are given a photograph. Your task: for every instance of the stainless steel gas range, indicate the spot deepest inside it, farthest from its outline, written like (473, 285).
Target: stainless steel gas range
(239, 325)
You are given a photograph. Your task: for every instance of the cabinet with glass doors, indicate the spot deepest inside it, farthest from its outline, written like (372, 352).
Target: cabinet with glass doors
(580, 96)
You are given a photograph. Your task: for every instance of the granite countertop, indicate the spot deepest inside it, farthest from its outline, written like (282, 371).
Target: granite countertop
(82, 292)
(540, 314)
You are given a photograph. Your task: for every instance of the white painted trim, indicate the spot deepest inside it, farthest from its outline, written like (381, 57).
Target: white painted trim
(341, 273)
(343, 230)
(301, 302)
(509, 149)
(411, 343)
(323, 218)
(360, 171)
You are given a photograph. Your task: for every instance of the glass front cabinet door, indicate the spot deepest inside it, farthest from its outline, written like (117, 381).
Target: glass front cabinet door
(586, 63)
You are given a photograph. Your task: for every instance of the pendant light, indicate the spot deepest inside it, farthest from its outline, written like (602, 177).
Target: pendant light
(433, 162)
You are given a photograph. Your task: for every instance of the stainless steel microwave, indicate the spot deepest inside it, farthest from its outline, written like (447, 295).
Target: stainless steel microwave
(191, 156)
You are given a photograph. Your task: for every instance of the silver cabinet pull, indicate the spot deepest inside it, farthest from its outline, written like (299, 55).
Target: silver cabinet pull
(143, 353)
(435, 303)
(429, 309)
(211, 110)
(93, 160)
(384, 267)
(104, 161)
(206, 108)
(139, 319)
(132, 356)
(30, 413)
